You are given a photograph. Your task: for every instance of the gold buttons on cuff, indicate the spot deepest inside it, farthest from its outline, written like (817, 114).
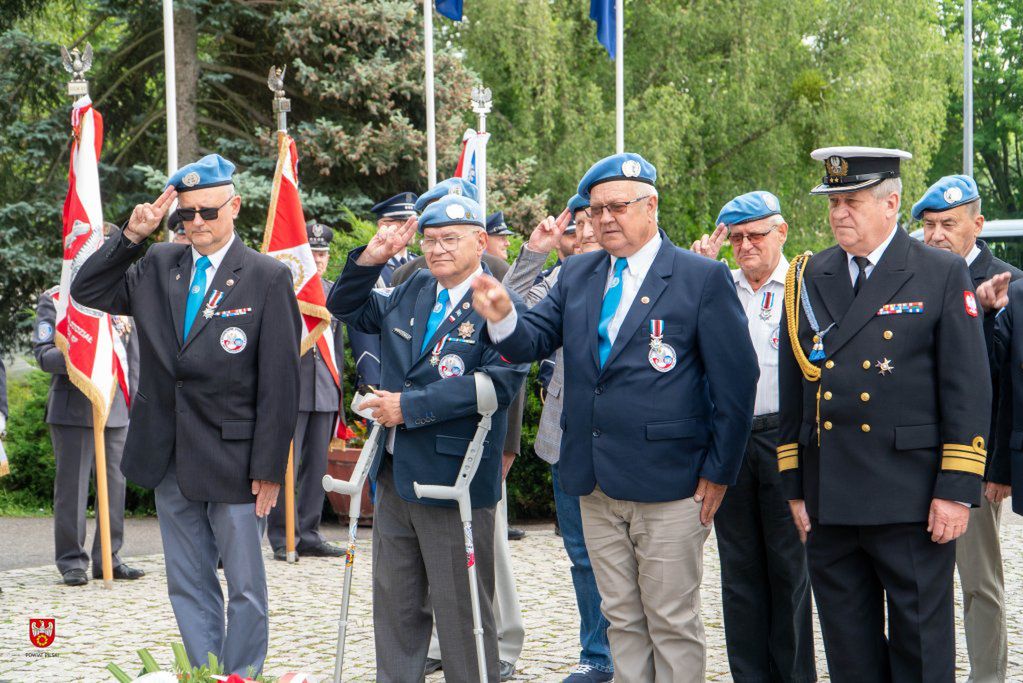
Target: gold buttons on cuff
(888, 334)
(866, 365)
(865, 427)
(827, 395)
(829, 364)
(864, 397)
(827, 424)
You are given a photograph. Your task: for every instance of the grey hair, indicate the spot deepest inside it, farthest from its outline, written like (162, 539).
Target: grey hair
(973, 208)
(776, 219)
(887, 187)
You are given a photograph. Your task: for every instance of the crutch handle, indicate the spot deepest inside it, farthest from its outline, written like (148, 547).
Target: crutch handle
(332, 485)
(435, 491)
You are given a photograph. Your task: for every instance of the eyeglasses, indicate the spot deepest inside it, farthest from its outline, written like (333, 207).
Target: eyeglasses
(448, 242)
(754, 238)
(206, 213)
(616, 208)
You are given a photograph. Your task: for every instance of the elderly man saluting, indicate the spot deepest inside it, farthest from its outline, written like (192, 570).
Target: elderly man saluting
(660, 378)
(431, 344)
(217, 400)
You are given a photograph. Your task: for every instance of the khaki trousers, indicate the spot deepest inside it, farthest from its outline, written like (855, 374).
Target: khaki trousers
(648, 562)
(979, 560)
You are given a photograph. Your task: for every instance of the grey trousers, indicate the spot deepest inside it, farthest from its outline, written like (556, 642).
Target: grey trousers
(195, 535)
(511, 632)
(419, 552)
(979, 560)
(74, 453)
(312, 441)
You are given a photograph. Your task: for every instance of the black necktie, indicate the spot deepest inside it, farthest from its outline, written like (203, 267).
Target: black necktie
(861, 262)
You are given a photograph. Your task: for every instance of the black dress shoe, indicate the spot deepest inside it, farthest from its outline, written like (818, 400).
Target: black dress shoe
(281, 555)
(431, 666)
(515, 534)
(324, 550)
(75, 577)
(122, 572)
(506, 669)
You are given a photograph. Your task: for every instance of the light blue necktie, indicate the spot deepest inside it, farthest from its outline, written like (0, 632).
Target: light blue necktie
(612, 298)
(436, 317)
(196, 293)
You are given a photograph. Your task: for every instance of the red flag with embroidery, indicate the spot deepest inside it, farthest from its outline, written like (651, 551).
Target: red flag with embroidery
(95, 355)
(286, 240)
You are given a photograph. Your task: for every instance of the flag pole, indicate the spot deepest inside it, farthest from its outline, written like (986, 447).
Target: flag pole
(281, 107)
(170, 96)
(481, 103)
(619, 76)
(431, 123)
(79, 87)
(968, 87)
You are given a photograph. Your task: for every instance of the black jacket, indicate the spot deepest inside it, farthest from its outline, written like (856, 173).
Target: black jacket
(222, 404)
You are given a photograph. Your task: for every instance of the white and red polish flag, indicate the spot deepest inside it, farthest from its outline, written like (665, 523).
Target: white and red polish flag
(286, 239)
(95, 356)
(472, 144)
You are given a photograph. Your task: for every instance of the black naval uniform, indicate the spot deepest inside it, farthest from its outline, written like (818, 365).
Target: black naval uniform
(319, 399)
(69, 415)
(902, 418)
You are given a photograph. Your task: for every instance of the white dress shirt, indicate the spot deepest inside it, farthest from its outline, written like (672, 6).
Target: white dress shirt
(972, 256)
(216, 258)
(455, 295)
(632, 279)
(765, 332)
(873, 257)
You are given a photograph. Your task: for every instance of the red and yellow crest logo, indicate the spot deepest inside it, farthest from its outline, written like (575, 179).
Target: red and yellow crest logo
(42, 632)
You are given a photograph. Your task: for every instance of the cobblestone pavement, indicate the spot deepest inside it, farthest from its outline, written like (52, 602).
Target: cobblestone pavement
(95, 626)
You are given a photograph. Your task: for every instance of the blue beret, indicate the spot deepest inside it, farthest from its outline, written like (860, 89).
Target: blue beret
(626, 166)
(455, 186)
(577, 202)
(948, 193)
(451, 210)
(212, 170)
(496, 224)
(401, 205)
(748, 207)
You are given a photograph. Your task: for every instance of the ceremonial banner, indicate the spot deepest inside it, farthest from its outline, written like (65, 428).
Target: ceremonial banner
(452, 9)
(468, 162)
(603, 12)
(286, 240)
(96, 359)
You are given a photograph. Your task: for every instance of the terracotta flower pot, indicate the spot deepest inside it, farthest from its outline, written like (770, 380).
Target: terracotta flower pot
(340, 464)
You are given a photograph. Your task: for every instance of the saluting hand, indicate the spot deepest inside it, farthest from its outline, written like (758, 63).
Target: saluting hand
(490, 298)
(386, 407)
(266, 496)
(146, 218)
(711, 495)
(993, 294)
(947, 520)
(546, 235)
(388, 241)
(710, 245)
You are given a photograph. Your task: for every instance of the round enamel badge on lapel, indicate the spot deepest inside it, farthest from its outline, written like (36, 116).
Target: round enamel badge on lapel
(451, 365)
(662, 359)
(233, 340)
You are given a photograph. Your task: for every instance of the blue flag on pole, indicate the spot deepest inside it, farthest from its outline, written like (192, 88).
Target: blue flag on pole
(452, 9)
(602, 12)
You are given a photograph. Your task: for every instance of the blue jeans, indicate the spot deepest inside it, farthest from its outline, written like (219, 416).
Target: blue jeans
(592, 624)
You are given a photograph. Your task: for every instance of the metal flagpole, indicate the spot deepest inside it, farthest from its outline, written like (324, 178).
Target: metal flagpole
(968, 87)
(171, 96)
(620, 76)
(481, 101)
(431, 123)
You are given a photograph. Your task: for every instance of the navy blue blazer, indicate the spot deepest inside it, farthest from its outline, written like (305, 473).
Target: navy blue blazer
(1008, 358)
(641, 434)
(440, 413)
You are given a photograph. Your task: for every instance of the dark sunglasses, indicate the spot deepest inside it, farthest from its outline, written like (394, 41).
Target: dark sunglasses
(207, 214)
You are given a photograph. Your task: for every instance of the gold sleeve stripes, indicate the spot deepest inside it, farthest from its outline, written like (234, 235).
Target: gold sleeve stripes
(788, 457)
(957, 457)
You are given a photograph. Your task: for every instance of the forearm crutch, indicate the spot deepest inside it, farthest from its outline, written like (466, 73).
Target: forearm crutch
(353, 489)
(486, 406)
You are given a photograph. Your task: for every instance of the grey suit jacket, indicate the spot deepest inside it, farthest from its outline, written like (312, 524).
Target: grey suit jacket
(66, 404)
(520, 279)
